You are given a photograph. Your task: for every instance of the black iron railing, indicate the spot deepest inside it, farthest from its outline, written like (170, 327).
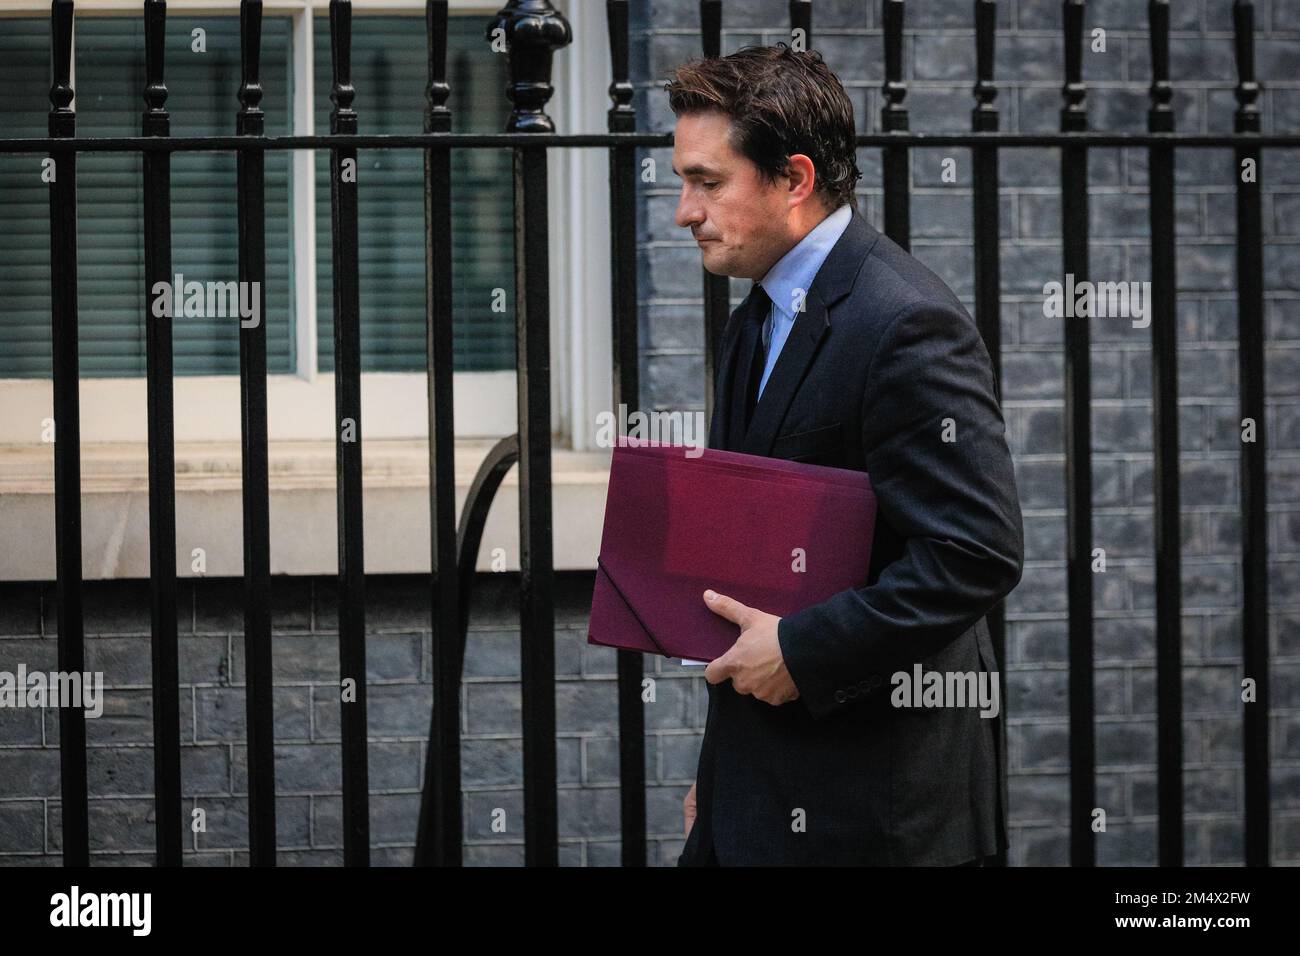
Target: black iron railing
(534, 31)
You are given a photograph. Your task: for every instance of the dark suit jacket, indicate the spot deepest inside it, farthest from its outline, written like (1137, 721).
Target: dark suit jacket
(882, 361)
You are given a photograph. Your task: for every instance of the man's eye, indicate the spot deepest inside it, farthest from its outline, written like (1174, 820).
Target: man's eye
(709, 185)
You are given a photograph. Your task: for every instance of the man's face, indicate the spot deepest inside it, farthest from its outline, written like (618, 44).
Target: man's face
(739, 220)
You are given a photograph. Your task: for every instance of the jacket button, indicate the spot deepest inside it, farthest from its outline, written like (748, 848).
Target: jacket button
(840, 697)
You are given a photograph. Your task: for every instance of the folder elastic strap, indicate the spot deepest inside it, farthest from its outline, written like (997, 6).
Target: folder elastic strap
(604, 567)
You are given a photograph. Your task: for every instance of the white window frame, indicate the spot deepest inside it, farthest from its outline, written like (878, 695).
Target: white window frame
(301, 403)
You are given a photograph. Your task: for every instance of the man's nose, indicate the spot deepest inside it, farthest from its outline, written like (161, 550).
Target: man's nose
(688, 210)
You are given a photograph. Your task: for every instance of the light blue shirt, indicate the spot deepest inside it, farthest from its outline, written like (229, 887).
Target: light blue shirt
(796, 271)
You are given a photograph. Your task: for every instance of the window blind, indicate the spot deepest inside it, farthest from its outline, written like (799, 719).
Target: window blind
(112, 298)
(390, 73)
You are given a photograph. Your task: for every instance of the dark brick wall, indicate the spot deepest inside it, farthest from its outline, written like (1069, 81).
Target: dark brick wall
(308, 750)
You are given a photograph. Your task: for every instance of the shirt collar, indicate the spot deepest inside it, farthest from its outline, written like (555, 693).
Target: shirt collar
(798, 267)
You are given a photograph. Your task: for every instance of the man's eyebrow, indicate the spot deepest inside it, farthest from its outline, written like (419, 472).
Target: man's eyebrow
(699, 170)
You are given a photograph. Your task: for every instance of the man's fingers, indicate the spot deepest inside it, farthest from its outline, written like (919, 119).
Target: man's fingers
(719, 669)
(727, 607)
(689, 812)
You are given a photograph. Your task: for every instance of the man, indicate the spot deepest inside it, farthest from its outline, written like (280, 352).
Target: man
(847, 352)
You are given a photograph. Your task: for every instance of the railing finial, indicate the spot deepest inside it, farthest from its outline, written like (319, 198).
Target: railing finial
(893, 115)
(155, 90)
(1161, 118)
(250, 120)
(622, 116)
(986, 91)
(1243, 22)
(533, 30)
(343, 118)
(60, 64)
(1074, 115)
(436, 93)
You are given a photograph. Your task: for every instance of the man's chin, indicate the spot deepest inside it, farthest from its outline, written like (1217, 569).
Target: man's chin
(714, 265)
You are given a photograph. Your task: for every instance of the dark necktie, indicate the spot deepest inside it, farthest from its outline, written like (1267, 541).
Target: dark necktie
(753, 343)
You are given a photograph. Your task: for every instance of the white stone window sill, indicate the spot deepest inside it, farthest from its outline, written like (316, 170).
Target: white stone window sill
(395, 482)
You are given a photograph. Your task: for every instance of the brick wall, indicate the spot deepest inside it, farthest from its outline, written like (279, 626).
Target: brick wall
(308, 749)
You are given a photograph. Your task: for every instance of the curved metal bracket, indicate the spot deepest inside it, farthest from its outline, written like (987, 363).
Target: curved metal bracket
(469, 533)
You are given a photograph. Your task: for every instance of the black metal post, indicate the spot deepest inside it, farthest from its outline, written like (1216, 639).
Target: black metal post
(1078, 450)
(344, 172)
(627, 390)
(531, 49)
(438, 840)
(1254, 475)
(988, 280)
(1164, 390)
(251, 176)
(893, 119)
(67, 436)
(717, 288)
(801, 22)
(169, 830)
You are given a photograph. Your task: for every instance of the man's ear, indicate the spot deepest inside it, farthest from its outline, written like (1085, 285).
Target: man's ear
(802, 174)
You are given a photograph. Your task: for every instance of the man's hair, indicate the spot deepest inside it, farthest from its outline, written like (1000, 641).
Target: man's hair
(781, 102)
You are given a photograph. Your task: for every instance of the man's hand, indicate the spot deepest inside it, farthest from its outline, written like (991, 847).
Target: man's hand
(688, 810)
(754, 663)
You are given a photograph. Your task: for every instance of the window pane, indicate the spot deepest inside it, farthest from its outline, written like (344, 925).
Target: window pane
(112, 301)
(390, 72)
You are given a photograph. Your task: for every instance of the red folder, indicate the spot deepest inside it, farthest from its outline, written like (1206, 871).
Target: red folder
(676, 525)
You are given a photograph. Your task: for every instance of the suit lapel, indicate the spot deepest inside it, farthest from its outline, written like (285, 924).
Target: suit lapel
(833, 281)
